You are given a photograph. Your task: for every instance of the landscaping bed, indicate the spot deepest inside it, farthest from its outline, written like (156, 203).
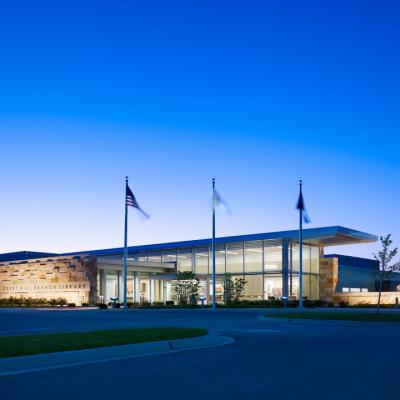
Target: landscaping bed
(11, 346)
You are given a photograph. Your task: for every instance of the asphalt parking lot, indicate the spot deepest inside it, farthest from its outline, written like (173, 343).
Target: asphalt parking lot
(271, 358)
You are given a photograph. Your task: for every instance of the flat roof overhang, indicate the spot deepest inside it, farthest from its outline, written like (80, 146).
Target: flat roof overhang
(336, 236)
(324, 237)
(117, 264)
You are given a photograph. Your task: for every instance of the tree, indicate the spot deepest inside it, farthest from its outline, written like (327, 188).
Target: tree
(233, 289)
(386, 268)
(186, 287)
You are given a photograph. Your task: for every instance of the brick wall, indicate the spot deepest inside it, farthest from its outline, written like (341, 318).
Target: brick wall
(74, 278)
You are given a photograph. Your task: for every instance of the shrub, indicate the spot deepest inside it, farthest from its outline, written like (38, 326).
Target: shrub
(85, 304)
(133, 304)
(102, 305)
(169, 303)
(293, 303)
(343, 304)
(71, 305)
(61, 301)
(308, 303)
(53, 302)
(158, 303)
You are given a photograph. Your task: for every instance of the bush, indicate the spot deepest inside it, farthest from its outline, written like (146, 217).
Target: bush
(71, 305)
(61, 301)
(133, 304)
(308, 303)
(102, 305)
(158, 303)
(85, 304)
(293, 303)
(343, 304)
(169, 303)
(145, 304)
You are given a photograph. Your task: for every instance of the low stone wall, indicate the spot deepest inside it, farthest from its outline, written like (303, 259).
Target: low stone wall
(73, 278)
(366, 298)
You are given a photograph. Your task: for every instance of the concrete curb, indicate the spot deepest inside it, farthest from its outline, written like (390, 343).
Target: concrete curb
(321, 322)
(41, 362)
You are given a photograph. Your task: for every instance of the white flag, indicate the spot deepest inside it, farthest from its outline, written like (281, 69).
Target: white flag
(219, 203)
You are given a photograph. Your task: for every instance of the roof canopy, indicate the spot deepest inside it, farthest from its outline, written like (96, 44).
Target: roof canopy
(328, 236)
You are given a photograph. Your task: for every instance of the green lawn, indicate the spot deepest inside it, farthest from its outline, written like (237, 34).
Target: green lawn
(342, 316)
(11, 346)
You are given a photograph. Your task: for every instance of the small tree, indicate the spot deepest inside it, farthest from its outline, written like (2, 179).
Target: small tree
(186, 287)
(233, 288)
(386, 268)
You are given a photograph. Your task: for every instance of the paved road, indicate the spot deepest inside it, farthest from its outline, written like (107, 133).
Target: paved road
(271, 359)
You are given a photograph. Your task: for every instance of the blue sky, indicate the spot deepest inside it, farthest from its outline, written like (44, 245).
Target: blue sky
(256, 94)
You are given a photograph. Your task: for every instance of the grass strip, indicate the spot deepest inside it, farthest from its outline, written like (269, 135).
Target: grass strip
(339, 316)
(12, 346)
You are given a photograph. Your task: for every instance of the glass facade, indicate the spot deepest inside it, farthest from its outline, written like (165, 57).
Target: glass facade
(253, 256)
(260, 262)
(270, 267)
(185, 260)
(234, 258)
(202, 261)
(272, 256)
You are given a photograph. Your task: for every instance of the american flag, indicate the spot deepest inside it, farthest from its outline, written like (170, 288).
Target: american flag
(132, 202)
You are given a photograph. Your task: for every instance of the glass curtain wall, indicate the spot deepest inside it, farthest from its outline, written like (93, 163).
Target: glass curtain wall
(253, 256)
(220, 258)
(272, 256)
(169, 255)
(234, 258)
(202, 261)
(185, 260)
(310, 271)
(259, 261)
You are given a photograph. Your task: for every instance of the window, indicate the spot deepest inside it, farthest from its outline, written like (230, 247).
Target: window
(314, 260)
(254, 287)
(219, 259)
(154, 256)
(202, 259)
(253, 256)
(272, 256)
(142, 256)
(169, 256)
(234, 258)
(185, 260)
(273, 286)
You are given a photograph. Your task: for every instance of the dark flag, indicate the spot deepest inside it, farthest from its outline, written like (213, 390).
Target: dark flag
(132, 202)
(303, 216)
(302, 207)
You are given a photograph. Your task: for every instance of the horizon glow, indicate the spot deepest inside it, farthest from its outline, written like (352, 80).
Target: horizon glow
(256, 95)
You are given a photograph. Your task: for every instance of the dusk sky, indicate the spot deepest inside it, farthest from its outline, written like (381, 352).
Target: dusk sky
(257, 94)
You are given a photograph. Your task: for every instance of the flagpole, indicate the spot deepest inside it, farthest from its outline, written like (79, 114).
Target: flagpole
(301, 252)
(214, 303)
(126, 245)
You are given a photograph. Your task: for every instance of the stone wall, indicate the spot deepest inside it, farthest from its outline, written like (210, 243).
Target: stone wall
(367, 298)
(73, 278)
(328, 278)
